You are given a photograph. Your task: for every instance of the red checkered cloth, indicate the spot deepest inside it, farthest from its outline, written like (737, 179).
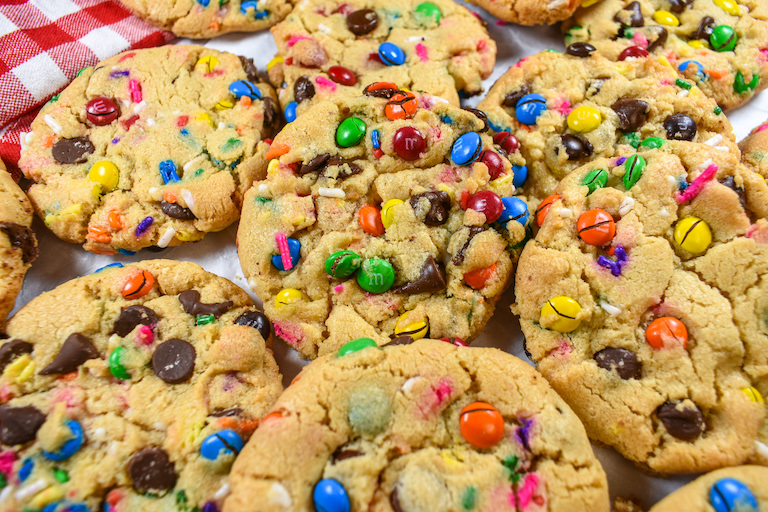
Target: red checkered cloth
(44, 43)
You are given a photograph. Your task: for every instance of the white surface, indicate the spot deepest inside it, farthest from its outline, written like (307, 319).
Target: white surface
(60, 262)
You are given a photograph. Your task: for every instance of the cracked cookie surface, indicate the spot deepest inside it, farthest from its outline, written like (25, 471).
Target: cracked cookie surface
(530, 12)
(394, 428)
(124, 389)
(754, 150)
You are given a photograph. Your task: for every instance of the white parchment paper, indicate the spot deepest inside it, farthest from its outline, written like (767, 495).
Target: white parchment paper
(59, 261)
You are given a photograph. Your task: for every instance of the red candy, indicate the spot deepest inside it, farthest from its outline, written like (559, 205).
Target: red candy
(409, 144)
(342, 75)
(596, 227)
(138, 285)
(633, 51)
(481, 424)
(507, 141)
(455, 341)
(402, 105)
(488, 203)
(101, 111)
(493, 161)
(543, 209)
(666, 332)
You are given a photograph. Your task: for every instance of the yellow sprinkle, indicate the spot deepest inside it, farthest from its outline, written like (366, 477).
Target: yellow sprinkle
(21, 370)
(664, 61)
(273, 165)
(204, 117)
(616, 429)
(503, 186)
(224, 105)
(699, 44)
(209, 62)
(450, 459)
(622, 67)
(274, 62)
(298, 219)
(47, 496)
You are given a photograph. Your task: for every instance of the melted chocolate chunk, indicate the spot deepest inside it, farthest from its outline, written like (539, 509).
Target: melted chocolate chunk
(580, 49)
(362, 21)
(630, 16)
(11, 350)
(481, 116)
(400, 340)
(19, 425)
(257, 320)
(23, 238)
(622, 361)
(729, 182)
(344, 454)
(174, 361)
(512, 98)
(706, 26)
(680, 127)
(684, 423)
(439, 207)
(395, 501)
(678, 6)
(177, 211)
(133, 316)
(458, 259)
(346, 169)
(251, 72)
(190, 301)
(152, 470)
(431, 279)
(271, 118)
(303, 89)
(75, 350)
(632, 113)
(314, 165)
(595, 86)
(656, 36)
(72, 151)
(575, 147)
(221, 413)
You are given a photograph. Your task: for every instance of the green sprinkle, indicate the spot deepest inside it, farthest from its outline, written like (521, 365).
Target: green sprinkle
(199, 172)
(3, 481)
(54, 98)
(263, 200)
(469, 498)
(60, 475)
(81, 72)
(181, 498)
(683, 84)
(633, 139)
(718, 111)
(629, 33)
(551, 50)
(231, 144)
(511, 464)
(205, 319)
(652, 142)
(569, 34)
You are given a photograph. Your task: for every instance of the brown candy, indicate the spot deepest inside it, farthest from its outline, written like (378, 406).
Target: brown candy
(680, 127)
(344, 454)
(11, 350)
(481, 116)
(190, 301)
(678, 6)
(346, 169)
(174, 361)
(133, 316)
(439, 207)
(72, 151)
(271, 116)
(151, 470)
(684, 423)
(620, 360)
(362, 21)
(632, 113)
(431, 279)
(251, 72)
(257, 320)
(510, 101)
(317, 163)
(75, 350)
(656, 36)
(575, 147)
(729, 182)
(706, 26)
(580, 49)
(395, 501)
(19, 425)
(23, 238)
(303, 89)
(176, 211)
(400, 340)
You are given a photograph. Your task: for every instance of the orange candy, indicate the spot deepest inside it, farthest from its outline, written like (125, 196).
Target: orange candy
(272, 416)
(666, 332)
(276, 150)
(402, 105)
(481, 424)
(596, 227)
(543, 209)
(115, 220)
(370, 220)
(477, 278)
(138, 285)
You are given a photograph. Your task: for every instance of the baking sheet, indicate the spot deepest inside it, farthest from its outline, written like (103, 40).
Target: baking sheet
(59, 261)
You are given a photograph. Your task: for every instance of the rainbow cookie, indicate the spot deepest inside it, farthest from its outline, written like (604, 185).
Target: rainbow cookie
(754, 150)
(739, 489)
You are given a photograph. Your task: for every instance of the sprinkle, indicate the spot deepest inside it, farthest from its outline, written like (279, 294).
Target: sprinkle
(565, 212)
(52, 124)
(610, 308)
(115, 140)
(714, 141)
(25, 138)
(325, 29)
(621, 160)
(263, 187)
(140, 106)
(159, 426)
(6, 493)
(135, 87)
(151, 122)
(279, 495)
(166, 238)
(100, 434)
(762, 450)
(144, 225)
(295, 39)
(697, 184)
(31, 490)
(221, 125)
(672, 181)
(223, 492)
(415, 39)
(718, 111)
(682, 83)
(408, 385)
(331, 192)
(722, 148)
(375, 139)
(187, 196)
(285, 251)
(192, 163)
(683, 93)
(615, 266)
(554, 4)
(421, 51)
(338, 288)
(703, 166)
(626, 206)
(168, 171)
(325, 83)
(663, 212)
(116, 74)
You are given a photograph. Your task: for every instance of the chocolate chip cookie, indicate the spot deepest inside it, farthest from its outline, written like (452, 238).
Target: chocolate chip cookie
(530, 12)
(643, 302)
(736, 489)
(754, 150)
(422, 427)
(133, 388)
(150, 147)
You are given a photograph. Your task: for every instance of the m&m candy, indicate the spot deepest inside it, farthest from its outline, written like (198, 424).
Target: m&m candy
(565, 312)
(221, 444)
(514, 209)
(391, 54)
(477, 279)
(101, 111)
(633, 52)
(376, 275)
(116, 367)
(596, 227)
(466, 149)
(369, 218)
(388, 213)
(519, 175)
(290, 112)
(507, 141)
(543, 209)
(595, 179)
(342, 75)
(530, 107)
(488, 203)
(584, 119)
(481, 425)
(288, 296)
(666, 332)
(330, 496)
(723, 38)
(357, 345)
(409, 144)
(729, 6)
(693, 235)
(71, 446)
(350, 132)
(294, 247)
(406, 326)
(494, 163)
(342, 264)
(666, 18)
(731, 495)
(753, 394)
(633, 170)
(242, 88)
(138, 285)
(427, 13)
(104, 173)
(402, 105)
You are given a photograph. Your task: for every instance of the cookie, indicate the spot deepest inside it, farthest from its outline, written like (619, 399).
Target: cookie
(642, 300)
(736, 489)
(209, 18)
(720, 45)
(133, 388)
(754, 150)
(530, 12)
(382, 218)
(565, 109)
(151, 147)
(422, 427)
(329, 48)
(18, 243)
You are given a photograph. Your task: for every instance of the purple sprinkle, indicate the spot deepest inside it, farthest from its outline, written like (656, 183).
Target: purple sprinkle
(115, 140)
(116, 74)
(621, 160)
(523, 433)
(621, 254)
(210, 507)
(615, 266)
(144, 225)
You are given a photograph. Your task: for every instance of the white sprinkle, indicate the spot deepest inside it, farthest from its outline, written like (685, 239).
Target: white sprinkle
(263, 187)
(684, 93)
(714, 141)
(126, 103)
(610, 308)
(177, 112)
(159, 426)
(187, 196)
(52, 124)
(762, 450)
(279, 496)
(151, 122)
(193, 162)
(408, 385)
(331, 192)
(166, 239)
(438, 99)
(140, 106)
(252, 282)
(663, 212)
(222, 125)
(99, 434)
(416, 39)
(31, 490)
(626, 206)
(704, 165)
(115, 67)
(722, 148)
(223, 492)
(6, 493)
(112, 450)
(672, 181)
(325, 29)
(554, 4)
(565, 212)
(24, 138)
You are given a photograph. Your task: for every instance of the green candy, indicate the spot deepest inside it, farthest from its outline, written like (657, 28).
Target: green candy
(633, 139)
(115, 367)
(205, 319)
(469, 499)
(356, 346)
(82, 71)
(376, 275)
(61, 476)
(652, 142)
(350, 132)
(742, 87)
(718, 111)
(634, 170)
(595, 179)
(342, 264)
(723, 38)
(426, 12)
(569, 34)
(3, 481)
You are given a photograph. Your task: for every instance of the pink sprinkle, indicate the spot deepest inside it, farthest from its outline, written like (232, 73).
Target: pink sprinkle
(563, 106)
(338, 288)
(291, 333)
(640, 39)
(421, 51)
(295, 39)
(434, 401)
(666, 81)
(325, 83)
(145, 336)
(500, 23)
(764, 53)
(695, 187)
(135, 87)
(520, 62)
(526, 491)
(285, 251)
(762, 127)
(126, 56)
(6, 462)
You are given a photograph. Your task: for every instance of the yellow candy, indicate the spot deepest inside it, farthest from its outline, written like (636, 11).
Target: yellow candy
(21, 370)
(209, 62)
(224, 105)
(699, 44)
(728, 6)
(415, 330)
(565, 310)
(289, 296)
(273, 165)
(666, 18)
(753, 394)
(693, 235)
(584, 119)
(204, 117)
(189, 236)
(664, 61)
(445, 188)
(105, 173)
(47, 496)
(274, 62)
(503, 186)
(587, 3)
(387, 212)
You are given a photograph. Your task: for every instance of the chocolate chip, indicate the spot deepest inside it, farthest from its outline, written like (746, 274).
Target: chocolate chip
(72, 151)
(152, 470)
(706, 26)
(632, 113)
(458, 259)
(375, 90)
(595, 85)
(684, 423)
(222, 413)
(11, 350)
(680, 127)
(19, 425)
(656, 36)
(678, 6)
(512, 98)
(344, 454)
(439, 207)
(154, 248)
(431, 279)
(303, 89)
(177, 211)
(580, 49)
(481, 116)
(75, 350)
(174, 361)
(251, 72)
(395, 501)
(630, 16)
(317, 163)
(400, 340)
(622, 361)
(257, 320)
(346, 169)
(270, 112)
(729, 182)
(23, 238)
(133, 316)
(362, 21)
(575, 147)
(190, 301)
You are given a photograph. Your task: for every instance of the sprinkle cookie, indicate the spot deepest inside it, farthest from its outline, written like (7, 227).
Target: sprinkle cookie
(150, 148)
(419, 428)
(719, 45)
(643, 301)
(530, 12)
(133, 388)
(382, 224)
(754, 150)
(739, 489)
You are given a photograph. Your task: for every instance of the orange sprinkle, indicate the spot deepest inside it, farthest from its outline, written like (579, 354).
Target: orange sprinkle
(102, 253)
(67, 377)
(716, 73)
(245, 101)
(115, 220)
(48, 140)
(169, 196)
(98, 234)
(277, 149)
(215, 25)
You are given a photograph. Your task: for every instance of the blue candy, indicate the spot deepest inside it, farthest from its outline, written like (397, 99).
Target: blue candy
(70, 447)
(330, 496)
(530, 107)
(514, 209)
(66, 506)
(226, 442)
(204, 3)
(375, 139)
(519, 175)
(294, 246)
(252, 4)
(290, 111)
(699, 71)
(111, 265)
(466, 149)
(26, 469)
(730, 495)
(126, 252)
(245, 88)
(391, 54)
(168, 171)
